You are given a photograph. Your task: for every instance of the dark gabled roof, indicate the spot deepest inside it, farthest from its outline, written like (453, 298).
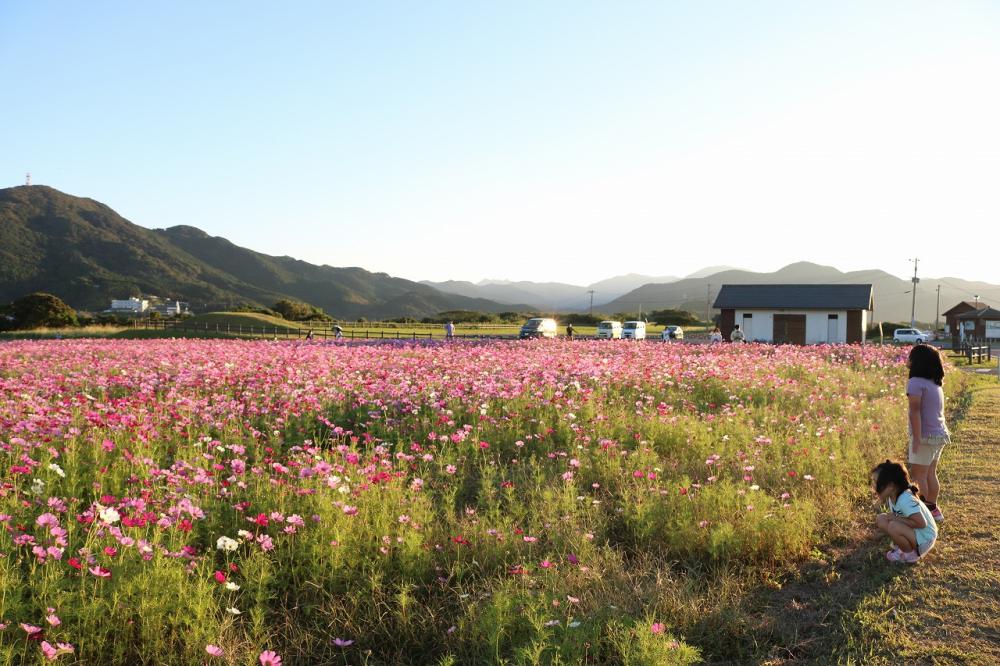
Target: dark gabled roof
(968, 304)
(804, 296)
(979, 314)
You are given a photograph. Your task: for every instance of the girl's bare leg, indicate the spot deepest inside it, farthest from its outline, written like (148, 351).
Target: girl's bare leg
(903, 536)
(918, 473)
(933, 487)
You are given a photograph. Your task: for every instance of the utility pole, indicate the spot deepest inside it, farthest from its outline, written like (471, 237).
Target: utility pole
(937, 312)
(591, 292)
(913, 307)
(708, 302)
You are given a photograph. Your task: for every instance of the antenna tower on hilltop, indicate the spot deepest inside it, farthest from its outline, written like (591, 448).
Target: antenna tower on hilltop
(27, 178)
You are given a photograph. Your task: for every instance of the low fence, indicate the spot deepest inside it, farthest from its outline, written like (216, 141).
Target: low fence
(979, 350)
(182, 328)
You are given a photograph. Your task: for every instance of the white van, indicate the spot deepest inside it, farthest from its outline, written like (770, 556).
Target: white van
(538, 327)
(609, 330)
(634, 330)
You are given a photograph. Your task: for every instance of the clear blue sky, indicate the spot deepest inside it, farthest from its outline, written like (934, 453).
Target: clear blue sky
(566, 141)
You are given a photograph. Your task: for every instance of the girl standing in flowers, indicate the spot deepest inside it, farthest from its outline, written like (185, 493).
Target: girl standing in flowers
(909, 522)
(928, 431)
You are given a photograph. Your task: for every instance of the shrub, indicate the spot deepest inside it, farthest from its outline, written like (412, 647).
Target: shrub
(41, 309)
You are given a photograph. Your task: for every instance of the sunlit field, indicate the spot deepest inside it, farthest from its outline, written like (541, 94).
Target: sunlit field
(213, 501)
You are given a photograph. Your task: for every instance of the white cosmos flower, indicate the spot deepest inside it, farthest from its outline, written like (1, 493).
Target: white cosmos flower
(57, 469)
(110, 515)
(227, 544)
(231, 586)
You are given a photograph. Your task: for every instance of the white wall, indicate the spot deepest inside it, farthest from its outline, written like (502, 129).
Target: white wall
(762, 328)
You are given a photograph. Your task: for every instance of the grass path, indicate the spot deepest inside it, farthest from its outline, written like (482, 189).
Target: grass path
(847, 605)
(953, 600)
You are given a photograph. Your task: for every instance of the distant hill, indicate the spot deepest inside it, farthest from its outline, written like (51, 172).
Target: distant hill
(892, 294)
(85, 253)
(551, 296)
(710, 270)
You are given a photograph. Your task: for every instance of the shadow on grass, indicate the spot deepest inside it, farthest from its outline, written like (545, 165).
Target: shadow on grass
(805, 616)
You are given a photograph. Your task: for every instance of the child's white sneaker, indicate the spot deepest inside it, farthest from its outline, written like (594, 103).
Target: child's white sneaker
(896, 555)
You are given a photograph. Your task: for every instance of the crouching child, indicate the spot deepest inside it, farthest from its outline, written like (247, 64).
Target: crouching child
(909, 522)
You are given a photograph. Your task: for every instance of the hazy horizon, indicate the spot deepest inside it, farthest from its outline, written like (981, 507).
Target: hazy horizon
(567, 142)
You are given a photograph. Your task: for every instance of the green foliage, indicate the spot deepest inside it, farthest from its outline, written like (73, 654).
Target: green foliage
(298, 311)
(674, 317)
(478, 317)
(888, 328)
(246, 307)
(40, 309)
(583, 319)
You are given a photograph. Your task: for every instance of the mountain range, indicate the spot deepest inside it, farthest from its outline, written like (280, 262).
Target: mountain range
(85, 253)
(550, 296)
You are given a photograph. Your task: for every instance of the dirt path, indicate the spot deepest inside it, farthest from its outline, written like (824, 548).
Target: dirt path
(847, 605)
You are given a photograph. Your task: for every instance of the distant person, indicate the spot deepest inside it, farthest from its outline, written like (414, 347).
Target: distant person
(715, 335)
(449, 330)
(909, 522)
(736, 335)
(309, 335)
(569, 331)
(928, 430)
(338, 332)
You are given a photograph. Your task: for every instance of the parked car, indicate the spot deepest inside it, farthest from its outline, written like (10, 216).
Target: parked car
(538, 327)
(678, 333)
(609, 330)
(634, 330)
(911, 336)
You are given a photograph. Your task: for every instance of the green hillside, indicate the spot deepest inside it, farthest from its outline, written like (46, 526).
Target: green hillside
(85, 253)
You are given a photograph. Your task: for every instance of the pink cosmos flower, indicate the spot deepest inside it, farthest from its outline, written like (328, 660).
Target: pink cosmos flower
(100, 572)
(30, 629)
(52, 653)
(269, 658)
(658, 628)
(342, 642)
(214, 650)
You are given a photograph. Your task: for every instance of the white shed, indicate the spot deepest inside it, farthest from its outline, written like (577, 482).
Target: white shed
(796, 313)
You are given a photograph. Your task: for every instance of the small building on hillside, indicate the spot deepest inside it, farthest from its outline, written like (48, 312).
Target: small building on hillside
(172, 308)
(796, 313)
(951, 319)
(981, 324)
(130, 305)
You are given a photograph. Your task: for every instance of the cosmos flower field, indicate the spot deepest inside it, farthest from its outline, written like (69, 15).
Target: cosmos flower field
(259, 502)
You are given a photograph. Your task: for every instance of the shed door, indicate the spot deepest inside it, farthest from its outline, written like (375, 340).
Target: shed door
(790, 329)
(832, 324)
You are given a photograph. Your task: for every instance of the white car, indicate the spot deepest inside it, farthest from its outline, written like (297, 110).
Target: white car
(634, 330)
(911, 336)
(678, 333)
(609, 330)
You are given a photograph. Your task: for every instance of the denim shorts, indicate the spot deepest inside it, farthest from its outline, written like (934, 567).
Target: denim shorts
(930, 449)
